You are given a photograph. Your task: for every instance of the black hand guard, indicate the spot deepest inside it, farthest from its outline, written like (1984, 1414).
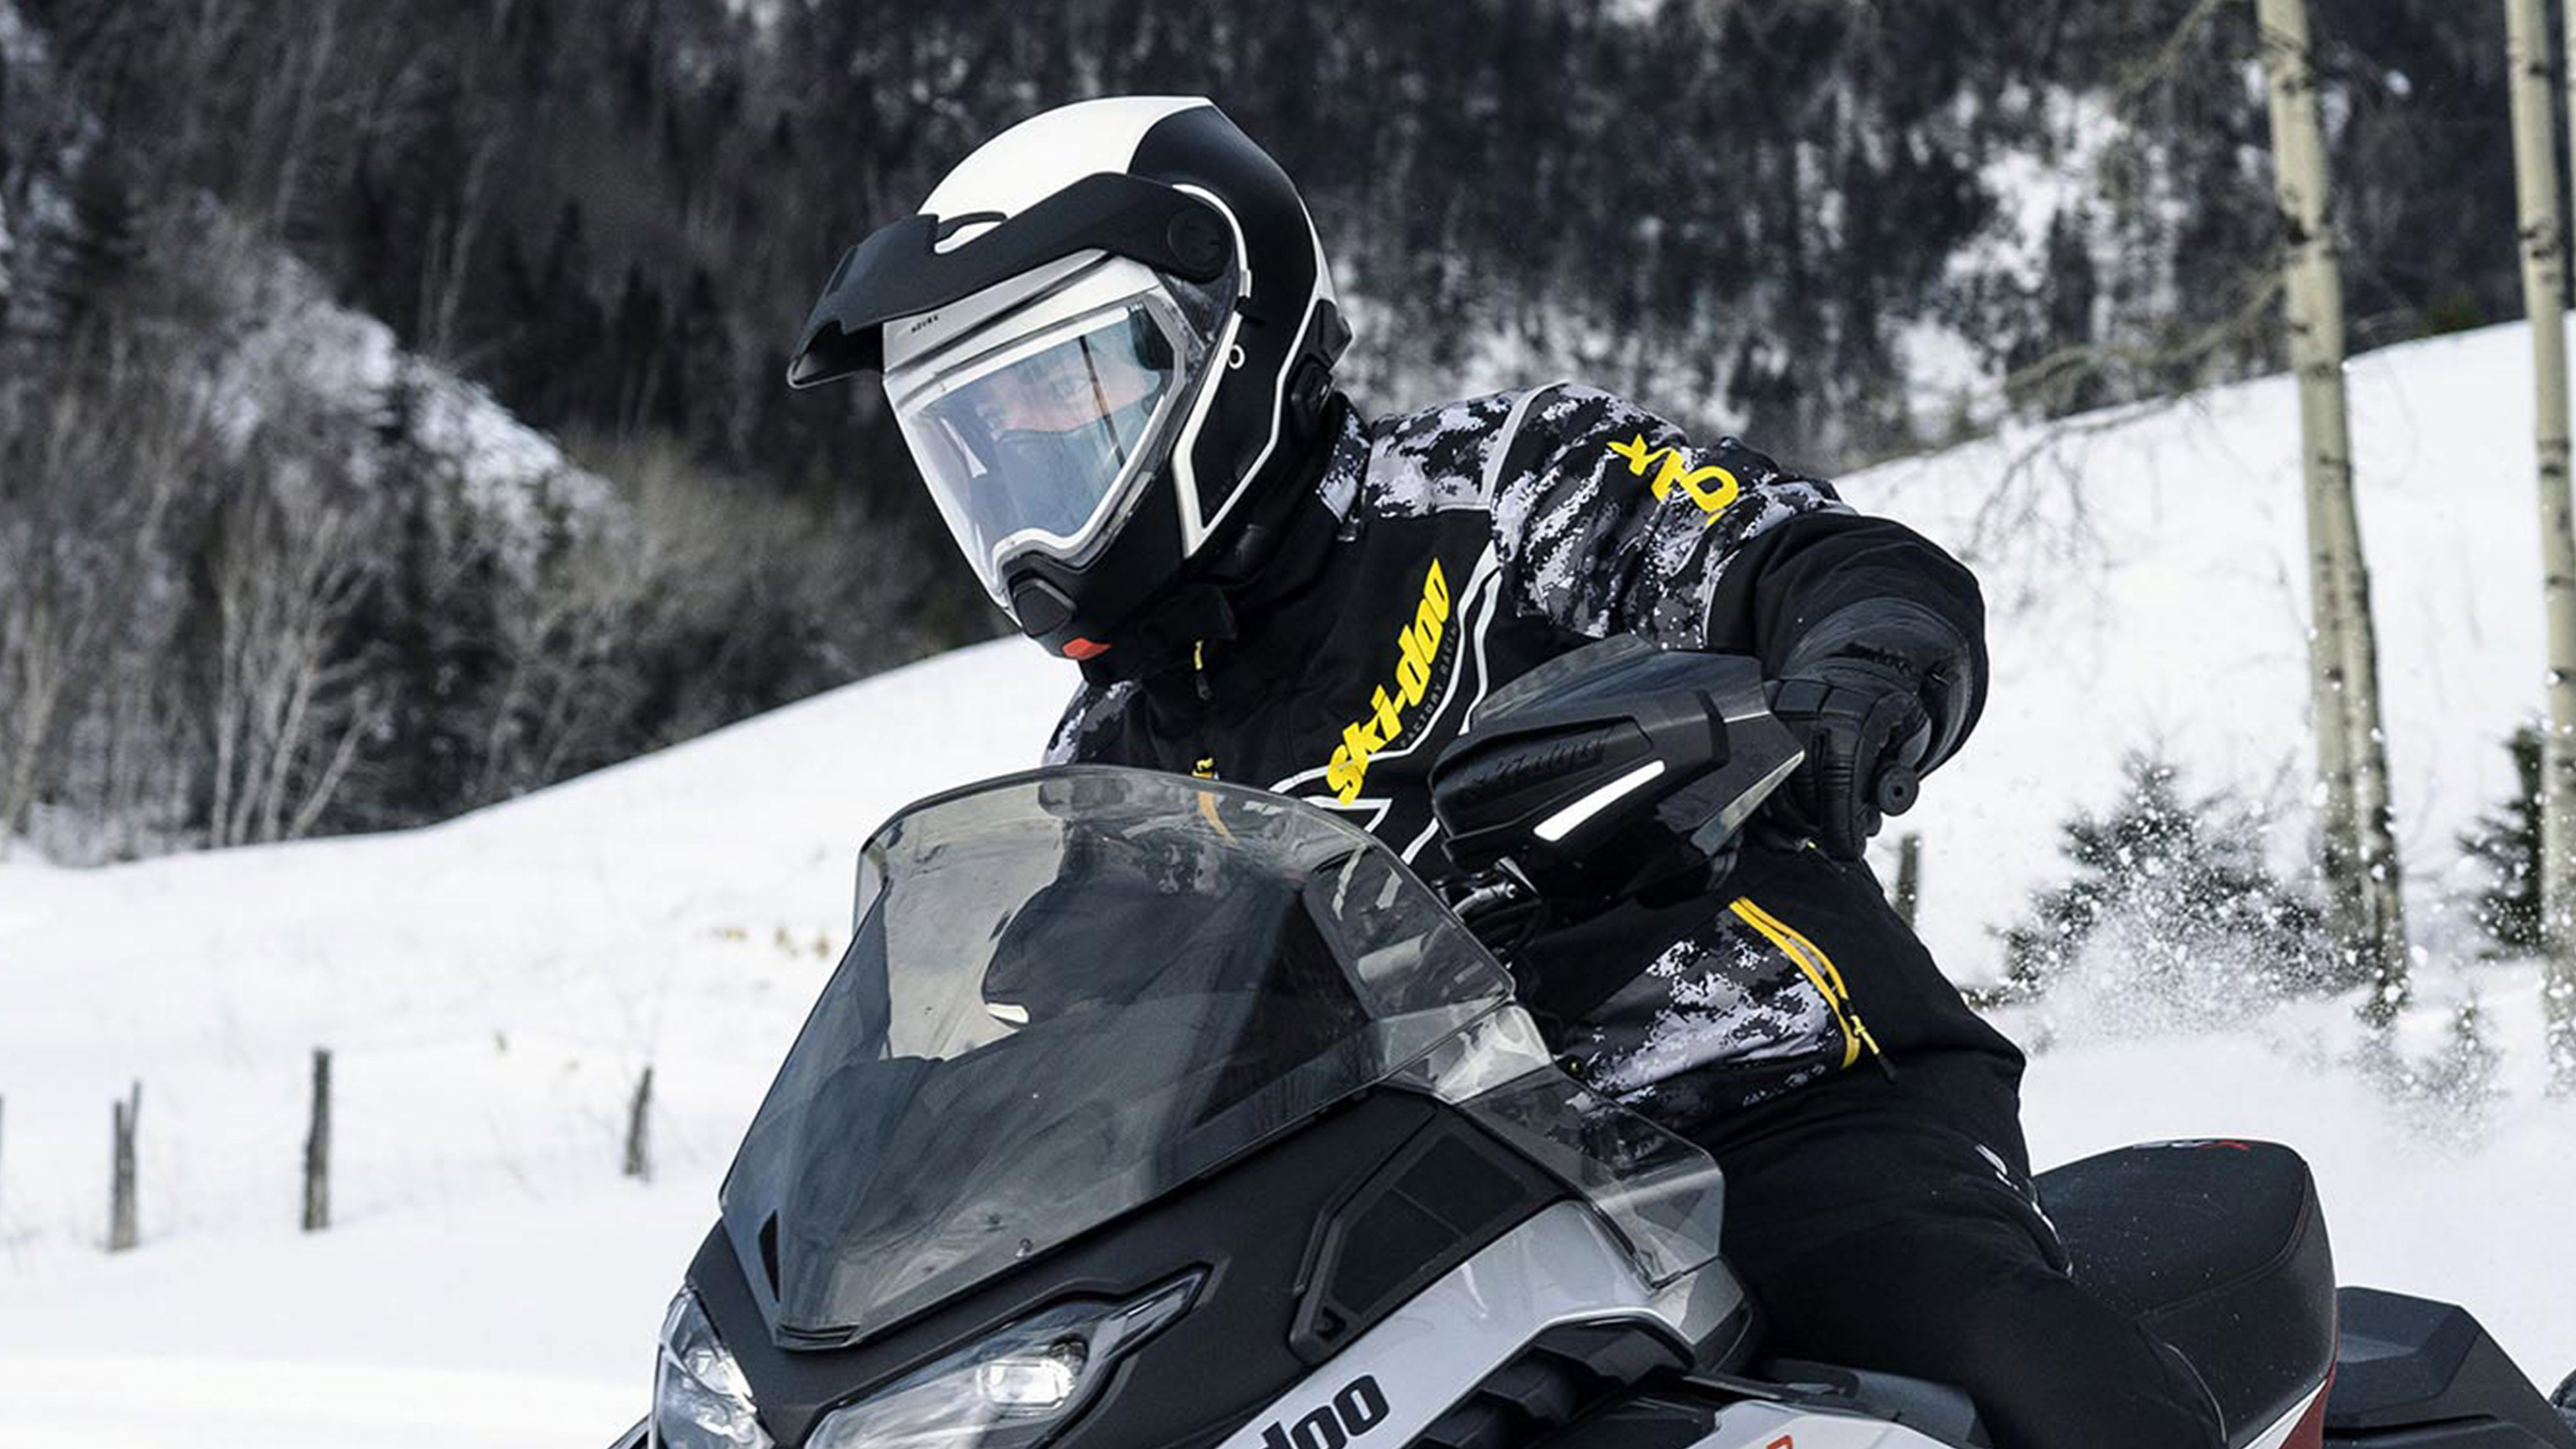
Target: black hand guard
(1611, 770)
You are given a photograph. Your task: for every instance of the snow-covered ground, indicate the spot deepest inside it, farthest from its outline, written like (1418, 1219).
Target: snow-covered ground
(491, 987)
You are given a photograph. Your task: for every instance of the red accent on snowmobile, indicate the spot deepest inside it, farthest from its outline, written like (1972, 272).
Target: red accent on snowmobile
(2311, 1431)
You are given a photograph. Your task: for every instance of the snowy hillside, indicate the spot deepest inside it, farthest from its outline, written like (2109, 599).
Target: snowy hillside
(298, 349)
(2148, 579)
(493, 986)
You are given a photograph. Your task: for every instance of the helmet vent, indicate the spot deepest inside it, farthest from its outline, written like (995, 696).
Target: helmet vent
(1198, 237)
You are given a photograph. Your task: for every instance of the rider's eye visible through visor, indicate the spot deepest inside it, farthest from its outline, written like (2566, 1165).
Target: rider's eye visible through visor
(1042, 443)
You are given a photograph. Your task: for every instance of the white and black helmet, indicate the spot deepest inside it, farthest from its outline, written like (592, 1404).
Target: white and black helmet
(1108, 336)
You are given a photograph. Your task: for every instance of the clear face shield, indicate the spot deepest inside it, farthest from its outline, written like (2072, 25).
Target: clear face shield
(1036, 431)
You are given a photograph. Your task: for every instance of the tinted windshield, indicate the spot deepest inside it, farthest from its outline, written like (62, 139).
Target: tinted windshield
(1067, 994)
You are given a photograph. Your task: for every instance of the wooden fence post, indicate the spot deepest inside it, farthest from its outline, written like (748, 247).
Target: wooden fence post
(317, 1147)
(1909, 876)
(639, 1146)
(122, 1231)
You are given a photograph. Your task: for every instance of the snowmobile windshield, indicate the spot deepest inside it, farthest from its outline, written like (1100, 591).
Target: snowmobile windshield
(1073, 991)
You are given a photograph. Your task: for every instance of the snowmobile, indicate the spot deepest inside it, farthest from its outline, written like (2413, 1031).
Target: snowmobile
(1149, 1112)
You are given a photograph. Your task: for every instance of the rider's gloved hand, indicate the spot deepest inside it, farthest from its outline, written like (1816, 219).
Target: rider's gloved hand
(1880, 692)
(1866, 734)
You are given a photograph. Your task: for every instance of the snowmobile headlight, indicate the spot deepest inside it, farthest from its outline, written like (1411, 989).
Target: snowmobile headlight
(700, 1398)
(1013, 1388)
(1041, 1381)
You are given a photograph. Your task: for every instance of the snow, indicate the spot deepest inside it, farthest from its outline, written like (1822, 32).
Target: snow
(2150, 582)
(2033, 187)
(21, 43)
(489, 1325)
(2418, 1198)
(492, 987)
(2148, 573)
(1948, 382)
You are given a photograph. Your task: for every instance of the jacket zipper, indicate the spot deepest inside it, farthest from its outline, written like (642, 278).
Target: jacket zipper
(1205, 769)
(1822, 974)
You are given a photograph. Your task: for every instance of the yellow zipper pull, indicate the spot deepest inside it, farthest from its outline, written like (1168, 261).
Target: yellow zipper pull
(1198, 670)
(1886, 1068)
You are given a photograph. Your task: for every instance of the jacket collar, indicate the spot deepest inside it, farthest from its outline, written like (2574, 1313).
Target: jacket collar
(1245, 636)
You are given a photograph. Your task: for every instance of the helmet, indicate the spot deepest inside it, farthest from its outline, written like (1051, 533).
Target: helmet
(1108, 338)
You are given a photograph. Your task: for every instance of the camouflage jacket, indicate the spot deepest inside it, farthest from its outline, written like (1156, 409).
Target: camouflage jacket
(1476, 540)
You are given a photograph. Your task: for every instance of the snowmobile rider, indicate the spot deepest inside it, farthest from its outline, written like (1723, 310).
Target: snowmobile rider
(1109, 339)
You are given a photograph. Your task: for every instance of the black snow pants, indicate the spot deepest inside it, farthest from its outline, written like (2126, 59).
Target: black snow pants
(1882, 1239)
(1884, 1218)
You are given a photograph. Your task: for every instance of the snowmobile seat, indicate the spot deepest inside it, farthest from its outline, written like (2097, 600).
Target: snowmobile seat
(2412, 1371)
(2219, 1249)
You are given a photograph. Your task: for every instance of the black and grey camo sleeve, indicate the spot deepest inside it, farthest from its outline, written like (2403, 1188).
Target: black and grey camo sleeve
(1081, 733)
(1610, 520)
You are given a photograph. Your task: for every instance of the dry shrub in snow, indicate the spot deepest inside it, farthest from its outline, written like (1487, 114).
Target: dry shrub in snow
(2450, 1094)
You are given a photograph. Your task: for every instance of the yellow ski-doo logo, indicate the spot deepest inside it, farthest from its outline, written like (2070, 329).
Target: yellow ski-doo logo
(1417, 644)
(1678, 473)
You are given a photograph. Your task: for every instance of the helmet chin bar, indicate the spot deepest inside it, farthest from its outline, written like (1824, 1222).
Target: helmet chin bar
(1091, 611)
(1160, 634)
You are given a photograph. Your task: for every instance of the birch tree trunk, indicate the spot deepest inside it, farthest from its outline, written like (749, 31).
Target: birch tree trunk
(2535, 172)
(2359, 849)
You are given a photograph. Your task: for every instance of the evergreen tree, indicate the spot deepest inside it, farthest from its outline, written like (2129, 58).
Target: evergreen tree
(101, 249)
(2506, 842)
(431, 624)
(555, 351)
(2186, 882)
(2464, 1074)
(697, 377)
(636, 351)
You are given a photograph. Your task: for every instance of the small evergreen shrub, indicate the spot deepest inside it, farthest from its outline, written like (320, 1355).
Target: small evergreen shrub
(2169, 899)
(2505, 843)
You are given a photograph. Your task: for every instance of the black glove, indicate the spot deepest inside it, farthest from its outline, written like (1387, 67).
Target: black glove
(1866, 733)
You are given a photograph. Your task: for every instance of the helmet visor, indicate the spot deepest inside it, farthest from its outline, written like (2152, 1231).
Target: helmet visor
(1043, 444)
